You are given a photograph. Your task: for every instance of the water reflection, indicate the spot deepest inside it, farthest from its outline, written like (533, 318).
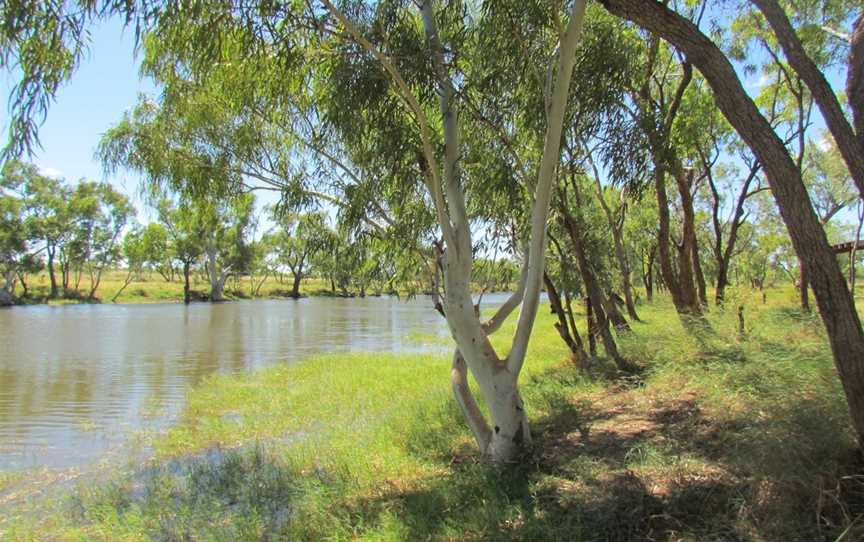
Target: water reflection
(75, 380)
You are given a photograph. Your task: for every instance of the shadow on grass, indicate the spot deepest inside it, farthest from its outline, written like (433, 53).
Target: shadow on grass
(629, 468)
(649, 463)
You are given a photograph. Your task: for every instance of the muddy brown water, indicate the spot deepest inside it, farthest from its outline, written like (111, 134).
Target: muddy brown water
(78, 381)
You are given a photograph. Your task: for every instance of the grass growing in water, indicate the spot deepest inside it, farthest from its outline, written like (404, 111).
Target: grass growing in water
(722, 437)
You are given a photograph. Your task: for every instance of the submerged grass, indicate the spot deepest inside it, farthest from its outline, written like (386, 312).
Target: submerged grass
(723, 436)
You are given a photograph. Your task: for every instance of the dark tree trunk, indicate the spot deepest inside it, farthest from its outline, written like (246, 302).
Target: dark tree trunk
(295, 286)
(836, 306)
(595, 294)
(849, 146)
(22, 279)
(686, 270)
(51, 275)
(648, 278)
(855, 79)
(804, 290)
(592, 327)
(614, 314)
(723, 255)
(701, 288)
(664, 249)
(186, 292)
(722, 281)
(571, 339)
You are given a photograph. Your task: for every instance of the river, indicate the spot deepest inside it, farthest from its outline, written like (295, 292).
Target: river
(78, 381)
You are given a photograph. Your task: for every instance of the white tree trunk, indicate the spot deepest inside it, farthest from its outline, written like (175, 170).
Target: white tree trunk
(497, 378)
(217, 277)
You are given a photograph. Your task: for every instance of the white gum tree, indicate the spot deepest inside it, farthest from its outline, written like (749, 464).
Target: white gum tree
(502, 437)
(285, 32)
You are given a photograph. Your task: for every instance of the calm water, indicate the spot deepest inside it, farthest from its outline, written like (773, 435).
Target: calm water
(77, 381)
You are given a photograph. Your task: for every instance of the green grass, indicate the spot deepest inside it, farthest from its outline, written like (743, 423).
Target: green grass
(721, 437)
(152, 288)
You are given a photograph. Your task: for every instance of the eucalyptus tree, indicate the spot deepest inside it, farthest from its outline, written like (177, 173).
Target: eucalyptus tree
(562, 285)
(135, 256)
(157, 250)
(443, 56)
(185, 231)
(99, 215)
(656, 96)
(836, 306)
(225, 226)
(615, 218)
(45, 211)
(13, 240)
(572, 211)
(298, 241)
(729, 172)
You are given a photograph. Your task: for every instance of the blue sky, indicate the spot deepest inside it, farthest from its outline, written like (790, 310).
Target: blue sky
(105, 85)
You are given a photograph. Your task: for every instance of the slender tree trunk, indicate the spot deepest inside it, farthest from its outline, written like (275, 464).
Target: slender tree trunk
(687, 254)
(836, 306)
(803, 291)
(51, 250)
(620, 253)
(648, 278)
(94, 284)
(186, 292)
(701, 287)
(595, 294)
(592, 327)
(22, 278)
(664, 252)
(573, 341)
(126, 283)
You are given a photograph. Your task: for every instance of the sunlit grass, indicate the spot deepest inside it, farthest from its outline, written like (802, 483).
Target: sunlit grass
(723, 436)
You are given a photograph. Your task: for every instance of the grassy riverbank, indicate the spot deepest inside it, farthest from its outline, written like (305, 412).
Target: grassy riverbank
(723, 437)
(152, 288)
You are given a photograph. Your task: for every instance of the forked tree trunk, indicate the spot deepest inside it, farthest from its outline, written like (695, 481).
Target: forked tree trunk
(295, 286)
(594, 293)
(687, 253)
(570, 335)
(217, 278)
(615, 227)
(836, 306)
(501, 440)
